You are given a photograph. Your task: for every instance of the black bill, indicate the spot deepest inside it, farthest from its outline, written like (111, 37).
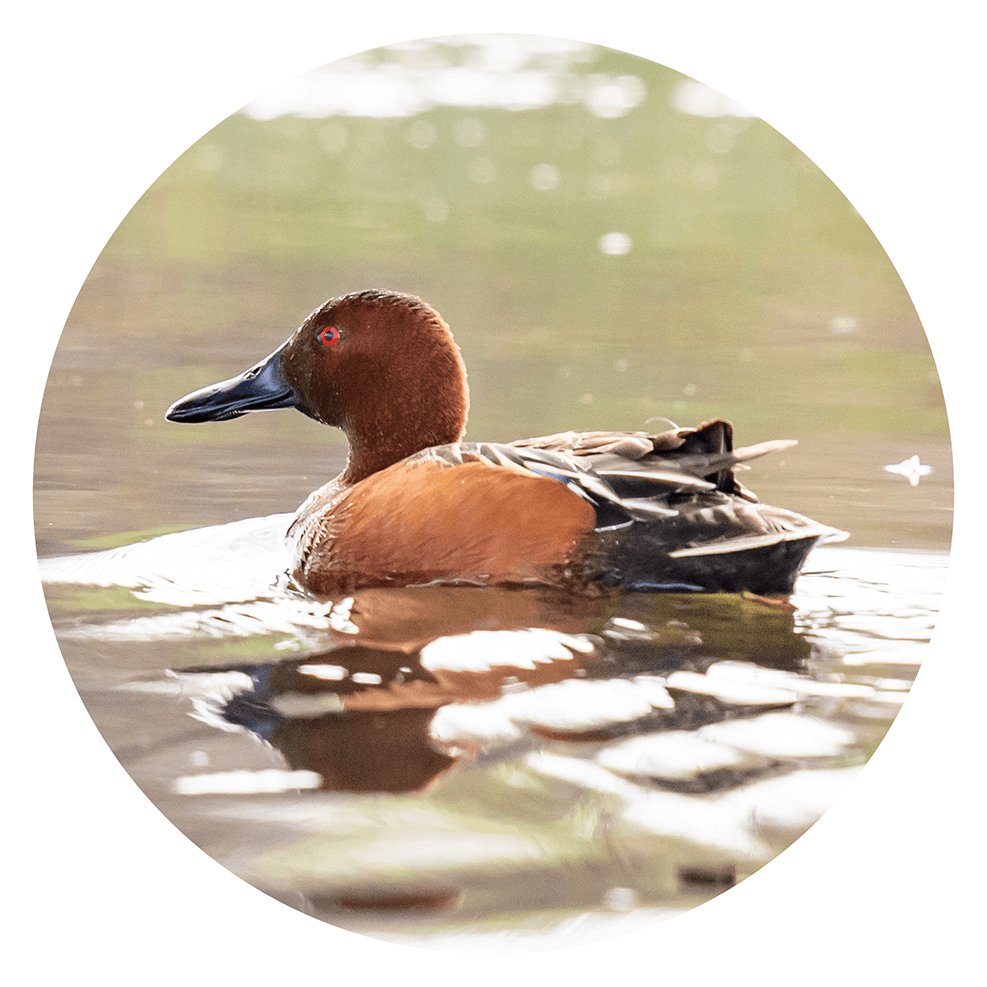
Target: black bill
(261, 388)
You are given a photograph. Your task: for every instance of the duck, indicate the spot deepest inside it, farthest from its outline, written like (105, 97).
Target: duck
(417, 505)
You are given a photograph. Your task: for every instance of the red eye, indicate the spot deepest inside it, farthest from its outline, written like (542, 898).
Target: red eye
(329, 336)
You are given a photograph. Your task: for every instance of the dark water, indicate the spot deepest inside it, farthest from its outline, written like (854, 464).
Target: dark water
(417, 765)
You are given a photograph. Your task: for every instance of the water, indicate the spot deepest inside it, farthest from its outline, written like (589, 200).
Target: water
(424, 764)
(590, 767)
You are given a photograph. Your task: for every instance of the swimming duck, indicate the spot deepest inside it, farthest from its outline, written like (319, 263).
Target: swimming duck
(417, 505)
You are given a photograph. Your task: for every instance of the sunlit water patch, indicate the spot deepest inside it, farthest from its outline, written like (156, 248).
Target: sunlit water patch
(508, 72)
(511, 72)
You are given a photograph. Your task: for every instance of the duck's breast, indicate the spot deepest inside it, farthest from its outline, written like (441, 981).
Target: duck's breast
(419, 522)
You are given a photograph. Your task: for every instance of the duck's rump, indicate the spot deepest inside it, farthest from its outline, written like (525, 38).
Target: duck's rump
(715, 543)
(690, 524)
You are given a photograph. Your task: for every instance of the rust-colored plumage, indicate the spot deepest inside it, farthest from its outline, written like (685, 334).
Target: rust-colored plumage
(460, 525)
(395, 382)
(415, 504)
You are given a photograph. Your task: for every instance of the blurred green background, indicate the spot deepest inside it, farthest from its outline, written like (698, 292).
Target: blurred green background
(611, 243)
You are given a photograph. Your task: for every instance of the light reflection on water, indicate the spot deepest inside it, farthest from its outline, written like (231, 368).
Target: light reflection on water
(417, 764)
(496, 73)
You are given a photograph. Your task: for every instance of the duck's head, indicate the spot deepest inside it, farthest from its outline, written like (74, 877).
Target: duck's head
(380, 365)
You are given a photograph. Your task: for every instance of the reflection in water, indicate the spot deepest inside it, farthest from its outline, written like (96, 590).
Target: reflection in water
(392, 717)
(423, 761)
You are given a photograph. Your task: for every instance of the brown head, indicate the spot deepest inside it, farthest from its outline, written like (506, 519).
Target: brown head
(380, 365)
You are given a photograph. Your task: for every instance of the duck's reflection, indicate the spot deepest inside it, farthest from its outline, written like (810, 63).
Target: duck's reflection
(419, 679)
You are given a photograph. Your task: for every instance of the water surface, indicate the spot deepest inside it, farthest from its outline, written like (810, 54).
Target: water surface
(424, 764)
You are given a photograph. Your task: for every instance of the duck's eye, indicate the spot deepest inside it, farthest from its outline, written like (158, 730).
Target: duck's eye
(329, 336)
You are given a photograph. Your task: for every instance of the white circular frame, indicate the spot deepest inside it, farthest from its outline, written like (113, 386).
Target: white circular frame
(434, 20)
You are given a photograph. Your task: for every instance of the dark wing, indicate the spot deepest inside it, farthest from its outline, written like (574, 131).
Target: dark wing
(627, 476)
(633, 462)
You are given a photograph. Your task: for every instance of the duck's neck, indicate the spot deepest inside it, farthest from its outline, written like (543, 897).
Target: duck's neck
(366, 458)
(382, 433)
